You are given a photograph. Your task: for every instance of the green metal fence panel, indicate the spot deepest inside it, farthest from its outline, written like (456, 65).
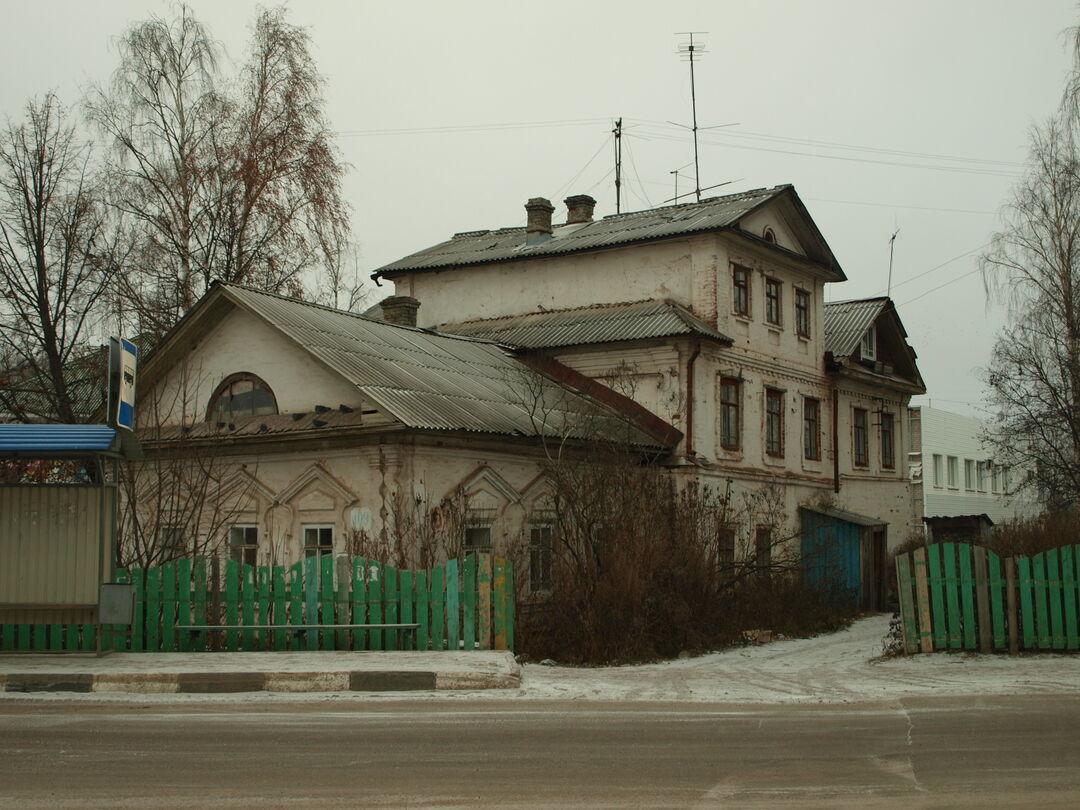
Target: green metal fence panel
(937, 596)
(390, 600)
(1069, 596)
(997, 605)
(438, 607)
(138, 619)
(1025, 586)
(375, 604)
(967, 593)
(453, 616)
(406, 600)
(468, 603)
(358, 598)
(1042, 611)
(423, 617)
(1054, 588)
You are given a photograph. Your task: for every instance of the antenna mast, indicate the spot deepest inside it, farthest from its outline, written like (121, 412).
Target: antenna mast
(690, 49)
(892, 244)
(618, 165)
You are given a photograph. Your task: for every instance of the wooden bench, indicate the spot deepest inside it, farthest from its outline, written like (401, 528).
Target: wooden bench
(299, 629)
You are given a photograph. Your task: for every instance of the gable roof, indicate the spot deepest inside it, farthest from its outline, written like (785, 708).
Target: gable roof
(607, 323)
(424, 379)
(717, 213)
(847, 321)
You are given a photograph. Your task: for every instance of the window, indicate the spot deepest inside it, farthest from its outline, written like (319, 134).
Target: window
(868, 345)
(241, 395)
(953, 469)
(969, 474)
(763, 548)
(980, 475)
(769, 235)
(939, 471)
(477, 538)
(802, 313)
(995, 478)
(888, 452)
(740, 280)
(860, 446)
(318, 539)
(730, 390)
(1006, 480)
(774, 422)
(811, 429)
(725, 550)
(540, 536)
(244, 543)
(173, 542)
(773, 289)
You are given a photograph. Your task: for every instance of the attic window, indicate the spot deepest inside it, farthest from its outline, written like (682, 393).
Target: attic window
(239, 395)
(768, 235)
(868, 346)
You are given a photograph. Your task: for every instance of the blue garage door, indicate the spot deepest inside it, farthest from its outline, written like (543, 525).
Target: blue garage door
(831, 553)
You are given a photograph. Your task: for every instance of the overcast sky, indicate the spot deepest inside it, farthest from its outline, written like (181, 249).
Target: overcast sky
(883, 115)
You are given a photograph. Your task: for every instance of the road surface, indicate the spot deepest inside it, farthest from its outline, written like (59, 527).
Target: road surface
(1019, 751)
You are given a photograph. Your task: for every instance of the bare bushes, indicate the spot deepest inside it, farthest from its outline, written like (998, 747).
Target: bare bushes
(646, 565)
(1034, 535)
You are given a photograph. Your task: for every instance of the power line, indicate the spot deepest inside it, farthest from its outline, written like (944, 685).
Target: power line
(939, 286)
(900, 205)
(569, 122)
(943, 264)
(566, 186)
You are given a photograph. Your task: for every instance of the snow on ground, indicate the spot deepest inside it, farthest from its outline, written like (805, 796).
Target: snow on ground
(836, 668)
(841, 667)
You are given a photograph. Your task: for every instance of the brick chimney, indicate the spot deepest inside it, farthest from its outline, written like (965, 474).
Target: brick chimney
(579, 208)
(538, 228)
(400, 309)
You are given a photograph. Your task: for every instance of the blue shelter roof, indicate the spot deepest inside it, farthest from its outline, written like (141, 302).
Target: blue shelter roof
(60, 440)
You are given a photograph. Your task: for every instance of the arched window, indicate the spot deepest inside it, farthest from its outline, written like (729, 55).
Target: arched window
(768, 235)
(241, 395)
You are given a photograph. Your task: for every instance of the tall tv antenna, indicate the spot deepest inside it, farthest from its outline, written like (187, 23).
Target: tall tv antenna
(690, 50)
(892, 245)
(617, 132)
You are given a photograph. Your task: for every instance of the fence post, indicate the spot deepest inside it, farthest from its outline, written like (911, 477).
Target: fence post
(982, 598)
(1010, 606)
(453, 618)
(922, 594)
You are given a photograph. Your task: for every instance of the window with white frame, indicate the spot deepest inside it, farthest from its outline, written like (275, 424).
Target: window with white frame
(939, 470)
(868, 345)
(318, 539)
(969, 474)
(244, 543)
(952, 465)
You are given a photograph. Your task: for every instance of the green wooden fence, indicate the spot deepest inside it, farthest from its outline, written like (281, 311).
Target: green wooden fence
(955, 596)
(458, 605)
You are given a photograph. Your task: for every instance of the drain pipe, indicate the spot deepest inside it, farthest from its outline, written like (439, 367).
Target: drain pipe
(689, 449)
(836, 438)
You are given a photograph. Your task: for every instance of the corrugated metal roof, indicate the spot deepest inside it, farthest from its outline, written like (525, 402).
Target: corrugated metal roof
(847, 321)
(597, 324)
(506, 244)
(431, 380)
(844, 515)
(56, 438)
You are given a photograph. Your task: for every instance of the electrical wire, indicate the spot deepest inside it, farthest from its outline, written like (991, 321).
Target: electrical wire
(943, 264)
(566, 186)
(569, 122)
(641, 186)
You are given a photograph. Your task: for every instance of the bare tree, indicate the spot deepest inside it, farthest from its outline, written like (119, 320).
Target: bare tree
(1034, 266)
(57, 256)
(222, 179)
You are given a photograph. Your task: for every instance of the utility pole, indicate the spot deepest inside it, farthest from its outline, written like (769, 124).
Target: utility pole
(618, 165)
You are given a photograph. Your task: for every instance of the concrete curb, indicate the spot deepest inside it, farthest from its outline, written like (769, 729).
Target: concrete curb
(223, 682)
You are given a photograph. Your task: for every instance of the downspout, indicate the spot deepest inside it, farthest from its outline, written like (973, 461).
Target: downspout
(835, 438)
(689, 449)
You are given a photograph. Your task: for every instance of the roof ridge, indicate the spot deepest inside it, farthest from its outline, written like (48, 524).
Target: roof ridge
(858, 300)
(564, 310)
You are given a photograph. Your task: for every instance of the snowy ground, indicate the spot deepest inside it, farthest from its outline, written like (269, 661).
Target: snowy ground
(841, 667)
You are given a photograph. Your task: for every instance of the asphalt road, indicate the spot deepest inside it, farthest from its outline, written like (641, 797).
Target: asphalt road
(944, 752)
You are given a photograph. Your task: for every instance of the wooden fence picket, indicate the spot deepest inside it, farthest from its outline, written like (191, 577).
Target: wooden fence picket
(1069, 596)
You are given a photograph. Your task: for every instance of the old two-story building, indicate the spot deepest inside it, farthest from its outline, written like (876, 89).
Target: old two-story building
(703, 327)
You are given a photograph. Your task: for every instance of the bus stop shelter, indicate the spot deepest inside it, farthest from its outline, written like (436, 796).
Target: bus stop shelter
(58, 516)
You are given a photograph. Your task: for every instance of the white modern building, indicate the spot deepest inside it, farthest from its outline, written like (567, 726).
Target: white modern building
(957, 471)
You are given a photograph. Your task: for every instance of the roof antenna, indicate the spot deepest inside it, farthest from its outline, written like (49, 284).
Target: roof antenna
(892, 245)
(690, 49)
(617, 132)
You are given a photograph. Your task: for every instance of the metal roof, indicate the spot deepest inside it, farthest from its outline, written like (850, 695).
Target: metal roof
(25, 439)
(507, 244)
(430, 380)
(847, 321)
(844, 515)
(596, 324)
